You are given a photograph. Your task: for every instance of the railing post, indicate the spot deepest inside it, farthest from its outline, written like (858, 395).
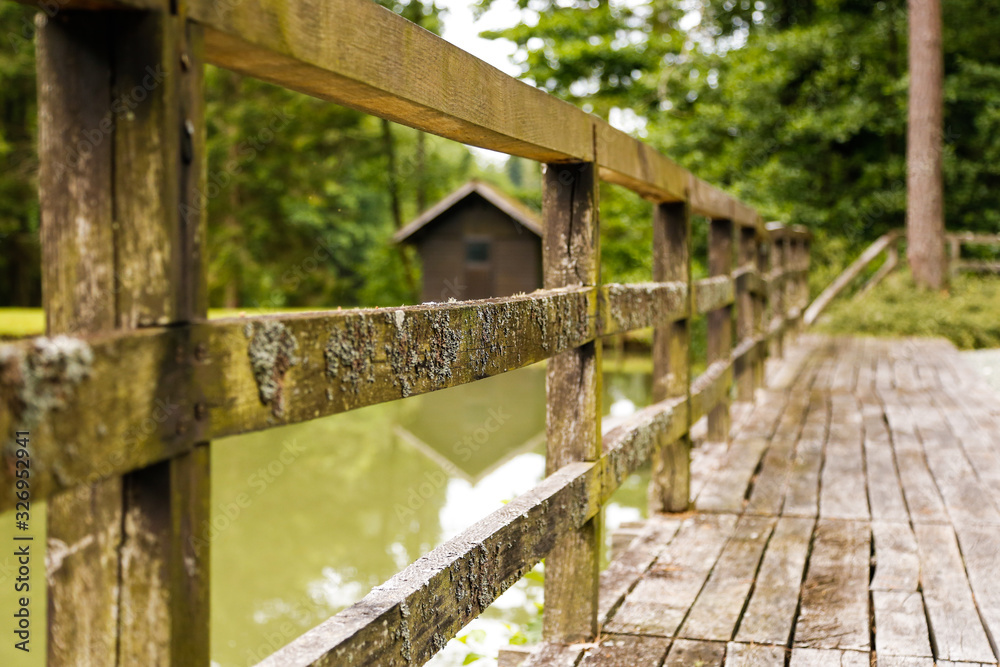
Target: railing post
(777, 291)
(746, 311)
(762, 305)
(720, 321)
(122, 158)
(571, 255)
(669, 489)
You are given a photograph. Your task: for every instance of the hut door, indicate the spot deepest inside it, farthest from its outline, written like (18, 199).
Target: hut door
(478, 268)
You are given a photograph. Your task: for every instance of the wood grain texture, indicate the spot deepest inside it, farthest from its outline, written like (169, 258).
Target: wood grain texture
(771, 610)
(955, 623)
(84, 525)
(626, 651)
(754, 655)
(637, 306)
(834, 611)
(685, 652)
(571, 256)
(720, 319)
(901, 624)
(670, 484)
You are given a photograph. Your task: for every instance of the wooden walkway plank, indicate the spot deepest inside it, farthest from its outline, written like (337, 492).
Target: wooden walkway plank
(769, 615)
(900, 624)
(980, 547)
(897, 566)
(834, 610)
(725, 491)
(623, 572)
(555, 655)
(717, 610)
(660, 601)
(686, 652)
(754, 655)
(843, 476)
(810, 657)
(802, 497)
(885, 491)
(955, 626)
(627, 651)
(922, 497)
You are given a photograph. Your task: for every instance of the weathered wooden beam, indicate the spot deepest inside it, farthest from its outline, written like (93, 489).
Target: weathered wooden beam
(670, 481)
(212, 379)
(713, 293)
(711, 202)
(747, 278)
(637, 306)
(635, 165)
(710, 389)
(720, 317)
(973, 238)
(745, 310)
(125, 584)
(410, 617)
(571, 256)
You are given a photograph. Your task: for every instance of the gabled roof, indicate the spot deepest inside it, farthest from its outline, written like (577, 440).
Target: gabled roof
(503, 201)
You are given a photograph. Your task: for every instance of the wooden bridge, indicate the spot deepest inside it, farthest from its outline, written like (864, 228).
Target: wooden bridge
(123, 396)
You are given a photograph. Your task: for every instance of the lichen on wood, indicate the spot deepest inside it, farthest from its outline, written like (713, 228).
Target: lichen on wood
(272, 351)
(44, 377)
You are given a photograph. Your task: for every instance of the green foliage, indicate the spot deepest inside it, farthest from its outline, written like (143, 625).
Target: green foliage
(20, 273)
(966, 316)
(796, 107)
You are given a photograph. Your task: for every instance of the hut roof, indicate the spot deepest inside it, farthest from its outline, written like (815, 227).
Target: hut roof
(503, 201)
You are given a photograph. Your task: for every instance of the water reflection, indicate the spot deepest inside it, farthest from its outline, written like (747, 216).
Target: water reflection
(308, 518)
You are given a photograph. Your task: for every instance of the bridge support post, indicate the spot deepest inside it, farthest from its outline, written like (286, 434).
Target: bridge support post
(571, 256)
(122, 163)
(669, 488)
(720, 321)
(778, 291)
(746, 313)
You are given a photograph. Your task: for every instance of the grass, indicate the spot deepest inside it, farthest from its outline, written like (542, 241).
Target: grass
(968, 314)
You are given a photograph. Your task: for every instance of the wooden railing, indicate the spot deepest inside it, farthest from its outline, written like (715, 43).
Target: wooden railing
(123, 396)
(888, 245)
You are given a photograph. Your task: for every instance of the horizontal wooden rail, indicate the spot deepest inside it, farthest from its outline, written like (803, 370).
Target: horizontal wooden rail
(212, 379)
(713, 293)
(972, 238)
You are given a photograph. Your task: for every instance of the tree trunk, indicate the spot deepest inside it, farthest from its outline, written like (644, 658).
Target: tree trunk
(925, 187)
(395, 206)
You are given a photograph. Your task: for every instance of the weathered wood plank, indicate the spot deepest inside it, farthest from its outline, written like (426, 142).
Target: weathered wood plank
(726, 490)
(554, 655)
(885, 492)
(571, 256)
(811, 657)
(955, 624)
(754, 655)
(84, 525)
(635, 165)
(685, 652)
(843, 476)
(771, 611)
(922, 497)
(626, 651)
(240, 375)
(746, 322)
(900, 624)
(981, 552)
(636, 306)
(710, 389)
(834, 612)
(802, 496)
(717, 610)
(897, 566)
(720, 318)
(713, 293)
(659, 602)
(411, 616)
(670, 484)
(624, 571)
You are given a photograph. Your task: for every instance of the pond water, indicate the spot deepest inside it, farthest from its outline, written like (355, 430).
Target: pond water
(308, 518)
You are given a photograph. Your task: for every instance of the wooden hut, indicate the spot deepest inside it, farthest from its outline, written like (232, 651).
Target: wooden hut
(477, 242)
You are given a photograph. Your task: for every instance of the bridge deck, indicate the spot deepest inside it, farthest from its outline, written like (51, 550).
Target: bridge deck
(853, 520)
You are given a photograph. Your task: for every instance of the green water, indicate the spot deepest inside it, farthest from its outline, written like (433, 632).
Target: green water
(308, 518)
